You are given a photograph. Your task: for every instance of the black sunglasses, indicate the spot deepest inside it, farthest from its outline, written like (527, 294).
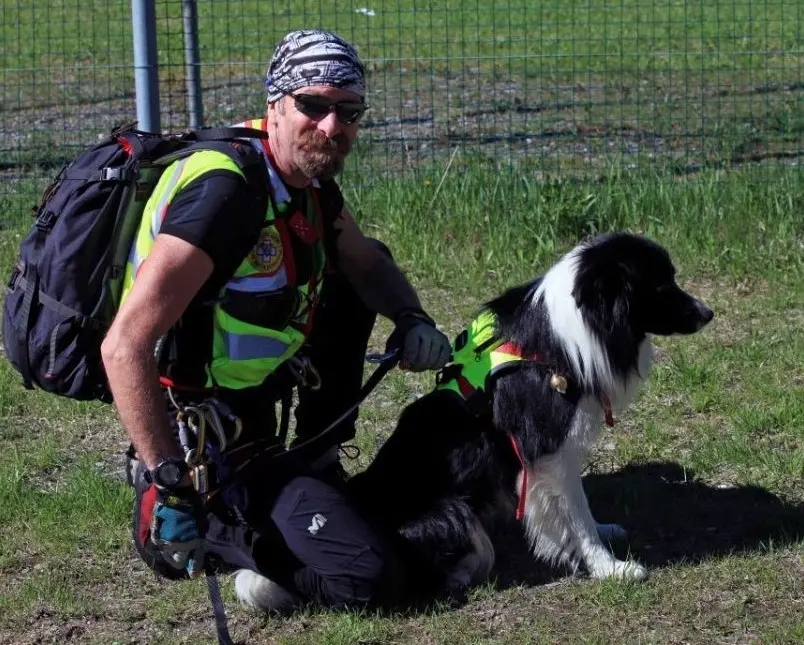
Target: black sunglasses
(317, 107)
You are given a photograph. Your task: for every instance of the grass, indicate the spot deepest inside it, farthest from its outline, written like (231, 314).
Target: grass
(596, 35)
(706, 470)
(526, 127)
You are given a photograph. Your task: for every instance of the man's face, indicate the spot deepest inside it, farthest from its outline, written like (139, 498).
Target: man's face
(314, 144)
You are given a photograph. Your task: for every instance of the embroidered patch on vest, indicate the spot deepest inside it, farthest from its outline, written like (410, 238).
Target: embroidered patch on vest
(301, 227)
(267, 254)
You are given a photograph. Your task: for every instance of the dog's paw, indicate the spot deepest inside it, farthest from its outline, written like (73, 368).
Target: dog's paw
(621, 569)
(629, 570)
(611, 532)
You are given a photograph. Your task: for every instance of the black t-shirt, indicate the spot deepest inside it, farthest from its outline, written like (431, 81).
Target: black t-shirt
(217, 214)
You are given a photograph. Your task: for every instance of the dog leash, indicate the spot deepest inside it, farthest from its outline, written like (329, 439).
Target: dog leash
(218, 610)
(385, 363)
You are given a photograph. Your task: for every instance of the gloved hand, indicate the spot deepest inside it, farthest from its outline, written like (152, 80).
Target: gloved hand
(178, 527)
(422, 346)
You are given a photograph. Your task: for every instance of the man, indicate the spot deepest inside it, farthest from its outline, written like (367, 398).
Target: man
(232, 290)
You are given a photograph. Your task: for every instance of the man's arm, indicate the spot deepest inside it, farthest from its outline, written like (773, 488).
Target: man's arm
(384, 289)
(378, 281)
(173, 273)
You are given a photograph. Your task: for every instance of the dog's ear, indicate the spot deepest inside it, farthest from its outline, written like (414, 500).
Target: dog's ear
(602, 292)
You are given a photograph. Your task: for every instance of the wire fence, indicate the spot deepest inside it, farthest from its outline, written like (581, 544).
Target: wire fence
(559, 87)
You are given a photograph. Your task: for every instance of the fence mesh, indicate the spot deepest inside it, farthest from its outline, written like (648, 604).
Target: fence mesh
(559, 87)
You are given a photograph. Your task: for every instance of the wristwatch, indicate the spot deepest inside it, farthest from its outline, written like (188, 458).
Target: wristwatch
(168, 473)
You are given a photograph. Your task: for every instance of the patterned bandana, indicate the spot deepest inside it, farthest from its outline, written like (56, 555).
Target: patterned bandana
(314, 57)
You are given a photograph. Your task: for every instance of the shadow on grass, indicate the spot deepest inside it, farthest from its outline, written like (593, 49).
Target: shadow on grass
(671, 519)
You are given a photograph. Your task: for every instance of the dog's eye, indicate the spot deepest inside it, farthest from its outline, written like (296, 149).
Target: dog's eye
(665, 286)
(659, 291)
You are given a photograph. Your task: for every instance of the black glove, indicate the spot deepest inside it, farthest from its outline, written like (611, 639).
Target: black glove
(422, 346)
(178, 527)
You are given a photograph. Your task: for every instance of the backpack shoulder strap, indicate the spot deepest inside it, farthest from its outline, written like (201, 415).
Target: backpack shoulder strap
(224, 134)
(244, 155)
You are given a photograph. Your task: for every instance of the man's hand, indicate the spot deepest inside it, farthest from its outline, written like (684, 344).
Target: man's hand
(422, 346)
(178, 526)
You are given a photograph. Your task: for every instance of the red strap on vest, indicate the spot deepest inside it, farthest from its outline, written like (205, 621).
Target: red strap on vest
(515, 350)
(523, 491)
(301, 226)
(466, 388)
(606, 403)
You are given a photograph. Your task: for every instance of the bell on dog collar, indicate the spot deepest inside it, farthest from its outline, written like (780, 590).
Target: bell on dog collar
(558, 383)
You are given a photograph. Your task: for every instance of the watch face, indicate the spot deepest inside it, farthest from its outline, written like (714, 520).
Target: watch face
(169, 473)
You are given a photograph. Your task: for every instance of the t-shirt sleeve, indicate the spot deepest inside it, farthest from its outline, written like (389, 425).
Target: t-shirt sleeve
(216, 214)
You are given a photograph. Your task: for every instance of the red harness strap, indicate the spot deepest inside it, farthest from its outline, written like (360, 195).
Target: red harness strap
(523, 490)
(468, 390)
(606, 403)
(515, 350)
(165, 381)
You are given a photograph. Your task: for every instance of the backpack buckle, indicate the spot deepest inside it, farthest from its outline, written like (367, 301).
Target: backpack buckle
(116, 174)
(44, 221)
(15, 276)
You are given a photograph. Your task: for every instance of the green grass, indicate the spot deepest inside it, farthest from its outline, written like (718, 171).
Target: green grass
(552, 38)
(527, 126)
(706, 470)
(485, 224)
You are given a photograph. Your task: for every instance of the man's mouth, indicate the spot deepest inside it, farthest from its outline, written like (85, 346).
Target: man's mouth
(323, 145)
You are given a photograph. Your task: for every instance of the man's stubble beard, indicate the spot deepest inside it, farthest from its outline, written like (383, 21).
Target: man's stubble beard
(321, 157)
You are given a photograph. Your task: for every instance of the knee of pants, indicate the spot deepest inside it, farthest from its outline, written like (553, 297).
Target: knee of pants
(382, 247)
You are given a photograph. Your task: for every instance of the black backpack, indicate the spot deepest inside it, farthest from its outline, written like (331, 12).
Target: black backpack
(65, 287)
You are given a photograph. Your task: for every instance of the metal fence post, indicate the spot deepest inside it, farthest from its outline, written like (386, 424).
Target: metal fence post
(192, 63)
(146, 65)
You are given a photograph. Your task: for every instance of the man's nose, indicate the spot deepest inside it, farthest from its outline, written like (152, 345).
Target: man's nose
(330, 125)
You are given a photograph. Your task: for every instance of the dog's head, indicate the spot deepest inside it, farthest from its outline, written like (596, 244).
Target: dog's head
(626, 281)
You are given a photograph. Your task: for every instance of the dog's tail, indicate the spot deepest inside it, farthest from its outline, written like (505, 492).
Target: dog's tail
(452, 544)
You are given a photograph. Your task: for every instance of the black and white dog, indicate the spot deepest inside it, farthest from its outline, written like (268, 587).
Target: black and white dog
(450, 471)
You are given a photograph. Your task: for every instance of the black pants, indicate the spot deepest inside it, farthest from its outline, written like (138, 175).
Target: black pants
(311, 540)
(289, 522)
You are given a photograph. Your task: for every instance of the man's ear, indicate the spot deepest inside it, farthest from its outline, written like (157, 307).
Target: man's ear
(273, 110)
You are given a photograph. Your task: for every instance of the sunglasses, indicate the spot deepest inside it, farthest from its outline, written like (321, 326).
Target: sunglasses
(317, 107)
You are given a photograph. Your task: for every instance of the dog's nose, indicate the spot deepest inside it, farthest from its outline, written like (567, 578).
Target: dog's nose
(705, 313)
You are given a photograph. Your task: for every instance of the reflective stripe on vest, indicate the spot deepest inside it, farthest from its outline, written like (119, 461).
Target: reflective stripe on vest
(476, 350)
(243, 354)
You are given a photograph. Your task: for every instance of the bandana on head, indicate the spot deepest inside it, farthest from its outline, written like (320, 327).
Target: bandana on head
(314, 57)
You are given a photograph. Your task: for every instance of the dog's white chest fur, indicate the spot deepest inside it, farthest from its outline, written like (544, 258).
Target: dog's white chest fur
(559, 524)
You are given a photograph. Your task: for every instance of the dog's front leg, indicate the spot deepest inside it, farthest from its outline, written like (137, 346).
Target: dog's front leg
(598, 559)
(559, 523)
